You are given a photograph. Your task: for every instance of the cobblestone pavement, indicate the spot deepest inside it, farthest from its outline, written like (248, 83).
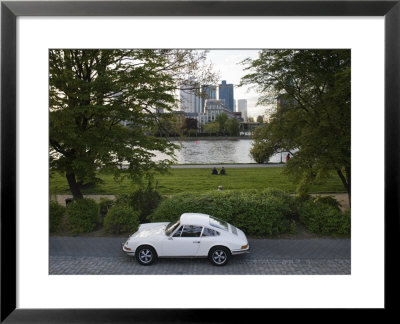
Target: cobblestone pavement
(100, 255)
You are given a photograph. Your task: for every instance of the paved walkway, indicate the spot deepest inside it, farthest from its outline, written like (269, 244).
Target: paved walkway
(226, 166)
(100, 255)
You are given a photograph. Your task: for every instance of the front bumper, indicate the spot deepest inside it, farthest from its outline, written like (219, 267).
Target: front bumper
(241, 251)
(126, 250)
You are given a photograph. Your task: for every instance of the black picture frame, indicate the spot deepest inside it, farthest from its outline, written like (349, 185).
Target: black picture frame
(10, 10)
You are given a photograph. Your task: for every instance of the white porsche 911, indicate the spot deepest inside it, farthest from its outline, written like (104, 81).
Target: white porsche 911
(192, 235)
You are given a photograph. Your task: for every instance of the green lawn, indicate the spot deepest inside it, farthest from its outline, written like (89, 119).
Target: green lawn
(200, 180)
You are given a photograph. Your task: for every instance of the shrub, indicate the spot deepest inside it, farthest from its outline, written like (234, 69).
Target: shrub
(325, 219)
(268, 212)
(328, 200)
(82, 215)
(56, 212)
(121, 219)
(302, 197)
(104, 206)
(145, 200)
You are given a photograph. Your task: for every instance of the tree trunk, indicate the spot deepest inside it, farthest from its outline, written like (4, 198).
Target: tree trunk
(73, 186)
(348, 178)
(345, 181)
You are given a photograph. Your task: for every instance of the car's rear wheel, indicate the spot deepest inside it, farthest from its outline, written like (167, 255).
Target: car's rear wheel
(145, 255)
(219, 255)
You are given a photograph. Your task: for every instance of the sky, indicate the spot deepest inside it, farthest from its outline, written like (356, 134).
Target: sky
(225, 63)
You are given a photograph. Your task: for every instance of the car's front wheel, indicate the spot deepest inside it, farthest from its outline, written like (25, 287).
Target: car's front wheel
(145, 255)
(219, 255)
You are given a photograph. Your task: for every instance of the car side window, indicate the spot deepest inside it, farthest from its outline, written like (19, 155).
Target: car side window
(209, 232)
(191, 231)
(178, 232)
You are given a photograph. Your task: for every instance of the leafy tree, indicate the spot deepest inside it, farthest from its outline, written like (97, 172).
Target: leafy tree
(189, 124)
(260, 119)
(250, 119)
(232, 127)
(165, 126)
(312, 120)
(211, 128)
(221, 120)
(105, 103)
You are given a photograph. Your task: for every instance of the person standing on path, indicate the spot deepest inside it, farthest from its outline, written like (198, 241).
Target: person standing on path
(287, 158)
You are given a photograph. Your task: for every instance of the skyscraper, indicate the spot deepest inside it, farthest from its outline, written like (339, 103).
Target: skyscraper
(190, 100)
(226, 93)
(242, 107)
(208, 92)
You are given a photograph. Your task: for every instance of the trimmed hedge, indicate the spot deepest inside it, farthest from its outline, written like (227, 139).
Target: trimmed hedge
(121, 219)
(82, 215)
(269, 212)
(56, 212)
(323, 218)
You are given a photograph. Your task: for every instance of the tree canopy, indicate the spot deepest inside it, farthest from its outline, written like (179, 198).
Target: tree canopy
(232, 127)
(312, 118)
(223, 125)
(104, 104)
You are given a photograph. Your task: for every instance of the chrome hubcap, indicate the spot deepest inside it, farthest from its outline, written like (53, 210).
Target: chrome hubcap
(219, 257)
(145, 255)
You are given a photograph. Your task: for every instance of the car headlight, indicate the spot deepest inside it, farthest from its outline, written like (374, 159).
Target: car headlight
(126, 246)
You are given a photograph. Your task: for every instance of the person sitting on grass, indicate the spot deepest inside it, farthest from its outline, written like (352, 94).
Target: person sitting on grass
(214, 171)
(223, 172)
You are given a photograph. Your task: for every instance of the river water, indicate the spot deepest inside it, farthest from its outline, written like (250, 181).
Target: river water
(216, 151)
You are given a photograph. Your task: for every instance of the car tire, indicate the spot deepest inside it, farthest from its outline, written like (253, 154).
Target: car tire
(219, 256)
(145, 255)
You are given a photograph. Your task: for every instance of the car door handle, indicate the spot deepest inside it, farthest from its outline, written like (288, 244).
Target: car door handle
(196, 241)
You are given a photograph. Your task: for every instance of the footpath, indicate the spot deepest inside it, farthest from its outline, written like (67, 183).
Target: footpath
(210, 166)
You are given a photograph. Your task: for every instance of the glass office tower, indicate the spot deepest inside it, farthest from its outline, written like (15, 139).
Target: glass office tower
(226, 93)
(208, 92)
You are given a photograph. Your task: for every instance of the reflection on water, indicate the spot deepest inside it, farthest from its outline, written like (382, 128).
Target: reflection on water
(215, 151)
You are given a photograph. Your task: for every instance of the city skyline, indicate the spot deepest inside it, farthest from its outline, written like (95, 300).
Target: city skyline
(226, 64)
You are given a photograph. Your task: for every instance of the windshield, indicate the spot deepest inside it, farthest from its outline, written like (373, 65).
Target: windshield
(171, 227)
(218, 223)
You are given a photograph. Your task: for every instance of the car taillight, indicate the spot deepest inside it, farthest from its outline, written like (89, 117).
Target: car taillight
(244, 246)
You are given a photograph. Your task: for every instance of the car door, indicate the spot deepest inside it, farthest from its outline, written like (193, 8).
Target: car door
(208, 239)
(184, 242)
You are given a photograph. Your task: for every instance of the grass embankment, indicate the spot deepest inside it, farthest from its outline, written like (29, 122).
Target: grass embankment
(201, 180)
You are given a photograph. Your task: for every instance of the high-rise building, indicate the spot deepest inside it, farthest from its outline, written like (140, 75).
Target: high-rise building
(242, 107)
(226, 93)
(190, 100)
(208, 92)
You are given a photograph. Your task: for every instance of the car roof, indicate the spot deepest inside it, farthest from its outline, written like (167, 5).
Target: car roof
(195, 219)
